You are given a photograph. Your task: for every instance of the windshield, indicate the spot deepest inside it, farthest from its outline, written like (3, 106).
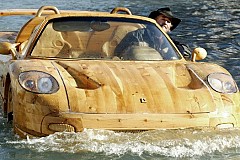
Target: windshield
(103, 38)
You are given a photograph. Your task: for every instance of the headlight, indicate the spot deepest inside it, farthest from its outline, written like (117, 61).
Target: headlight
(222, 83)
(38, 82)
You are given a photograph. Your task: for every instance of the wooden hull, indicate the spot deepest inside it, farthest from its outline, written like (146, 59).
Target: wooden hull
(118, 96)
(64, 74)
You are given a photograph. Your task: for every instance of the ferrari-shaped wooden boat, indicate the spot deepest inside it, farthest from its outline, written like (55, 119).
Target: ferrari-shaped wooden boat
(64, 73)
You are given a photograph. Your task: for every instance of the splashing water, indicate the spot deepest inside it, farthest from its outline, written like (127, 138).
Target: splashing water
(171, 143)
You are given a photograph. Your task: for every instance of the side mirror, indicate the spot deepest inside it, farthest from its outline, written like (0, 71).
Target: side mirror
(198, 54)
(7, 48)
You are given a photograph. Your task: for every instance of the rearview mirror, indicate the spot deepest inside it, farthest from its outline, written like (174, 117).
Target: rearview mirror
(198, 54)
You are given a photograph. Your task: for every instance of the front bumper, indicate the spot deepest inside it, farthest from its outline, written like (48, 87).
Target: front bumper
(131, 122)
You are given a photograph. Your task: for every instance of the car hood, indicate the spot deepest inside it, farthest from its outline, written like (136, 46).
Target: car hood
(136, 87)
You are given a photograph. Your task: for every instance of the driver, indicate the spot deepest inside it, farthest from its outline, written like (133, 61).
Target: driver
(152, 37)
(145, 37)
(168, 22)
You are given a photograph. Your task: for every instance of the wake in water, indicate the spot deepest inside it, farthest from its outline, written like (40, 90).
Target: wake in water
(170, 143)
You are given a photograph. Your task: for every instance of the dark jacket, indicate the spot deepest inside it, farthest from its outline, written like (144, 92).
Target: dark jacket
(184, 49)
(145, 36)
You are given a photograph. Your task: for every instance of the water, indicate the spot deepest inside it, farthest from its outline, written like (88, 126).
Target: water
(213, 25)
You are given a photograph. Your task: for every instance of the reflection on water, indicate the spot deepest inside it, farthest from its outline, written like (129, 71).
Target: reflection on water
(214, 25)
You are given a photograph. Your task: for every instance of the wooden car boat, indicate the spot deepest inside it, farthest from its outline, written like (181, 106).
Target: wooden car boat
(63, 74)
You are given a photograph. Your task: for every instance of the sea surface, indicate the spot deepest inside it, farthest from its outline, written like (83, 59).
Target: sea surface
(213, 25)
